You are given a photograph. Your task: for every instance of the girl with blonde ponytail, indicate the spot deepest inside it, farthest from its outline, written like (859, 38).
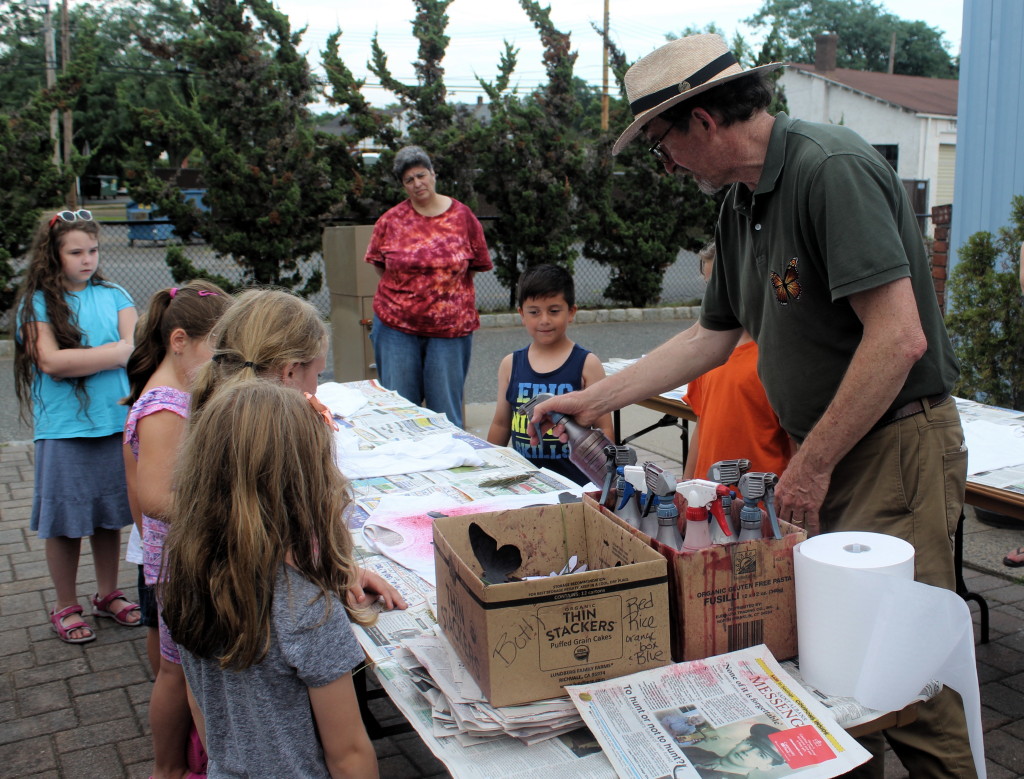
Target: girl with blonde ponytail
(274, 335)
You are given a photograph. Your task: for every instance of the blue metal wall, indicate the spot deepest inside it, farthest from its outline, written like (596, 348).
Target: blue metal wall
(990, 119)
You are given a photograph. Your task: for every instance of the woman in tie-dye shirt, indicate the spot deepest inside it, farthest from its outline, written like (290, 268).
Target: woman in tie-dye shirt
(426, 251)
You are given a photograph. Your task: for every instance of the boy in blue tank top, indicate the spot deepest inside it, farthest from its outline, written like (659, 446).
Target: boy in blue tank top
(551, 363)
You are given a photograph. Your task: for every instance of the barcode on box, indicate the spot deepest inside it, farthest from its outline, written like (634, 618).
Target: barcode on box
(745, 634)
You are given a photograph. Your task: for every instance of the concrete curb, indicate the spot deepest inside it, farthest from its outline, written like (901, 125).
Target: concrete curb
(596, 315)
(583, 317)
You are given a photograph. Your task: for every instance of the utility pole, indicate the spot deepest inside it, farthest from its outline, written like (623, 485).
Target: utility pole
(50, 47)
(604, 86)
(65, 53)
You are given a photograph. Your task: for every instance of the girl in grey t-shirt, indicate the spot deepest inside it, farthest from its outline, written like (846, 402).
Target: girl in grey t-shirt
(258, 564)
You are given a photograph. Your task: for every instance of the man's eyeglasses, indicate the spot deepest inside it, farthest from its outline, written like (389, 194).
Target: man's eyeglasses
(81, 215)
(660, 154)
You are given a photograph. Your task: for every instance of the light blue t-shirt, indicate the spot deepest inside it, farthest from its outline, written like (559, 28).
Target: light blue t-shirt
(56, 409)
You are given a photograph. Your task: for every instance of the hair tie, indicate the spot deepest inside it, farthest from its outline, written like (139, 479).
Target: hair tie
(249, 364)
(173, 291)
(203, 293)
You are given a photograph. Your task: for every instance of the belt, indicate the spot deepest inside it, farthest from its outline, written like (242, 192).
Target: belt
(915, 406)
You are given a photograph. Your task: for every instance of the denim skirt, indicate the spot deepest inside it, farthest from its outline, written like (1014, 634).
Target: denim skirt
(79, 487)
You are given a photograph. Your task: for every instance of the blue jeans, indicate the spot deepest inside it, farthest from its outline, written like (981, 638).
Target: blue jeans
(426, 371)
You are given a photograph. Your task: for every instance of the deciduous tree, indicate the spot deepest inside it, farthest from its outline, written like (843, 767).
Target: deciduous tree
(865, 31)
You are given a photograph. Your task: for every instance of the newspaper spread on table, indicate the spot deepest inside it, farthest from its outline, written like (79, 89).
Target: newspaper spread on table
(734, 714)
(995, 441)
(462, 735)
(461, 732)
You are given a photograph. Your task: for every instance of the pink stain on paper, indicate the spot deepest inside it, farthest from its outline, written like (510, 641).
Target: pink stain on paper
(408, 539)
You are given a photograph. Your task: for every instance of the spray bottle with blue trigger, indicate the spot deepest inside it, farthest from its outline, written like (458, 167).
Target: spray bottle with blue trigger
(661, 490)
(619, 457)
(755, 487)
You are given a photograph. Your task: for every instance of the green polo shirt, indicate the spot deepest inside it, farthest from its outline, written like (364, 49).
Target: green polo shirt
(829, 218)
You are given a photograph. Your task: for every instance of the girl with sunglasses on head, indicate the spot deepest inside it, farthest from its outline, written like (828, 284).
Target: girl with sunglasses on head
(73, 338)
(172, 344)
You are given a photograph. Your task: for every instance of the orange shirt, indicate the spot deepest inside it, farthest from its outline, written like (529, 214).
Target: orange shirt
(735, 418)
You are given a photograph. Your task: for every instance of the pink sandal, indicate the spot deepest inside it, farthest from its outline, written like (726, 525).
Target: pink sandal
(64, 631)
(101, 608)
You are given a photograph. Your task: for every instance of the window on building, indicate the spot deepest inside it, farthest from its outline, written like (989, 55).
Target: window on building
(891, 152)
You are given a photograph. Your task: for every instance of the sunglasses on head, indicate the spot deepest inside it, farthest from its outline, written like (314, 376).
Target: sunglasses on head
(81, 215)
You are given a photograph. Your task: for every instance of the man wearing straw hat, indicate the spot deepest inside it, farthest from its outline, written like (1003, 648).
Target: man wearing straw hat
(821, 260)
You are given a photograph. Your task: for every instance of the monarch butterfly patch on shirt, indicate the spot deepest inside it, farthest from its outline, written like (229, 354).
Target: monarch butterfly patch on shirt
(787, 286)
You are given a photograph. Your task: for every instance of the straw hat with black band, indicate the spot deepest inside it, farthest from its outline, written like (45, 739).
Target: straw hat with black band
(676, 72)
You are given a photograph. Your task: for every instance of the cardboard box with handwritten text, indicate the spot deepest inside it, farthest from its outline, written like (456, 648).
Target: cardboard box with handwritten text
(525, 640)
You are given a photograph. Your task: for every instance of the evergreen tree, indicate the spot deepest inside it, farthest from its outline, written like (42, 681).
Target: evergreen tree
(986, 321)
(430, 120)
(29, 183)
(268, 183)
(122, 68)
(532, 160)
(640, 217)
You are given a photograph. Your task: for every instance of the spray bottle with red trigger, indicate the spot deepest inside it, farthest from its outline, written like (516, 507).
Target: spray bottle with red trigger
(726, 472)
(702, 496)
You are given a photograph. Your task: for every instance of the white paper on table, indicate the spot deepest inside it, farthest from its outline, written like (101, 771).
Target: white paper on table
(430, 453)
(340, 399)
(991, 446)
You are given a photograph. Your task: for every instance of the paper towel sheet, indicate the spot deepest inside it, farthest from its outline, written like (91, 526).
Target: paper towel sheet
(867, 630)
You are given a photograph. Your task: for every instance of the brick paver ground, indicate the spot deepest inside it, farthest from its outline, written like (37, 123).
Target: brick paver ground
(81, 710)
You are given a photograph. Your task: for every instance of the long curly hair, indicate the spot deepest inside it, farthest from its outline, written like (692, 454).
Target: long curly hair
(262, 482)
(194, 308)
(45, 275)
(263, 331)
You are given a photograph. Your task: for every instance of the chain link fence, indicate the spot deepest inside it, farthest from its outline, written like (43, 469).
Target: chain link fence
(133, 253)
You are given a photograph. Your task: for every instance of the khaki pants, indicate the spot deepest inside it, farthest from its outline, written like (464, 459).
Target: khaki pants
(907, 480)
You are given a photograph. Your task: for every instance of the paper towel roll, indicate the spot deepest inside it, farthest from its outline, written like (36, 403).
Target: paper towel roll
(868, 631)
(834, 614)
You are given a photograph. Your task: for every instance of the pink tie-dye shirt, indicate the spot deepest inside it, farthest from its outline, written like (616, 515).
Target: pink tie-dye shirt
(427, 286)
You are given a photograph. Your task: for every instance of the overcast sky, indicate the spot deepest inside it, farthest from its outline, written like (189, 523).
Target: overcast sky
(477, 29)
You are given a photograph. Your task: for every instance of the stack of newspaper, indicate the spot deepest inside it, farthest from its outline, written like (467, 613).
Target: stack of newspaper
(460, 709)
